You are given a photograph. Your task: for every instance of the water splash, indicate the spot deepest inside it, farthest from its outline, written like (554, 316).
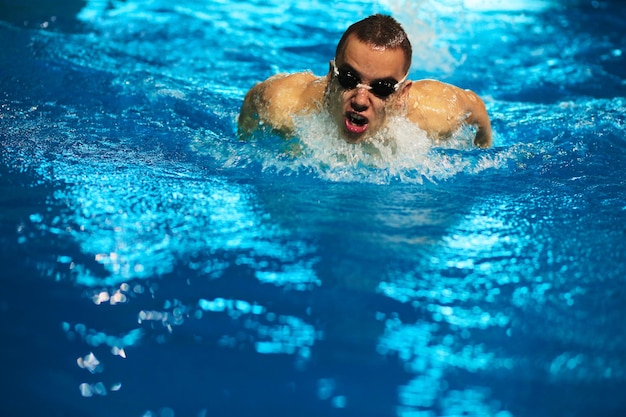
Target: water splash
(423, 21)
(401, 152)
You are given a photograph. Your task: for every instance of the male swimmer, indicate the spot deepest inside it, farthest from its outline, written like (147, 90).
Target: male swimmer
(366, 85)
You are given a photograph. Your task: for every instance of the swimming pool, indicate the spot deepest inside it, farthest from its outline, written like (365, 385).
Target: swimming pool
(154, 265)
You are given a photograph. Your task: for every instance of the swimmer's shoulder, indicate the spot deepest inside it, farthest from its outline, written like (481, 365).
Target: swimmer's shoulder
(430, 104)
(433, 91)
(294, 92)
(440, 108)
(291, 80)
(439, 94)
(276, 100)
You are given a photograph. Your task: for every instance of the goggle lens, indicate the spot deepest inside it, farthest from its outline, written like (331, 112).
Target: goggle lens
(382, 88)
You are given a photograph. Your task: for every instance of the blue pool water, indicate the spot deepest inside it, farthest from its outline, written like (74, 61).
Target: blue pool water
(154, 265)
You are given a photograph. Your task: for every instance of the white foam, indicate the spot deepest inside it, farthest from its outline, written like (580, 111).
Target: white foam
(401, 152)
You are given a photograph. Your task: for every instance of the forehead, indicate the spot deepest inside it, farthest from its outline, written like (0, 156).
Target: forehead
(372, 62)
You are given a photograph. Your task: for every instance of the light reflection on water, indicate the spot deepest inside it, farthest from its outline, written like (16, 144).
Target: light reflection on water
(501, 287)
(141, 223)
(477, 282)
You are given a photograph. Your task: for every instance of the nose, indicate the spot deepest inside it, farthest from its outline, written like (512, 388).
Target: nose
(360, 100)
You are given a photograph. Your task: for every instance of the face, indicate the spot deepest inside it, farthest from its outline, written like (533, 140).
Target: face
(360, 112)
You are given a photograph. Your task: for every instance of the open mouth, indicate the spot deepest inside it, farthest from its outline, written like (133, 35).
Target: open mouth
(355, 123)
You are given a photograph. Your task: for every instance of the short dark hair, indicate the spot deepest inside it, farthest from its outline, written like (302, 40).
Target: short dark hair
(380, 31)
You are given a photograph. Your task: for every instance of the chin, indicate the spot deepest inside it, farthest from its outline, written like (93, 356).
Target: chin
(353, 140)
(351, 137)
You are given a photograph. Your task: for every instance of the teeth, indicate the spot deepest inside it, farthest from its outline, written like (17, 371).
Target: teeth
(357, 119)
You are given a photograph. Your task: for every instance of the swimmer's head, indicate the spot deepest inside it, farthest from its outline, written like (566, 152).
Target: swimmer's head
(367, 79)
(380, 32)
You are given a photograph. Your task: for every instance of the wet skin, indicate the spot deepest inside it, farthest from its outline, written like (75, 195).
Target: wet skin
(437, 108)
(359, 112)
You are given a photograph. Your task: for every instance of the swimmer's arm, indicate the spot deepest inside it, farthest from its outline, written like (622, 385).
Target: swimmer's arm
(263, 108)
(274, 102)
(249, 115)
(477, 116)
(440, 109)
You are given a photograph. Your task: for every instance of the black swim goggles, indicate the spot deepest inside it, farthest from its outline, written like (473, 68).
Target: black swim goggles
(350, 80)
